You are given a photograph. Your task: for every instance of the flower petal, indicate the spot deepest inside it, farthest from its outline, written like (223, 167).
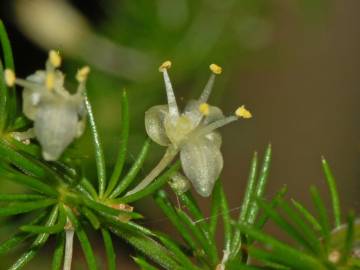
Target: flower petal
(202, 163)
(31, 97)
(193, 112)
(55, 128)
(215, 138)
(215, 113)
(154, 124)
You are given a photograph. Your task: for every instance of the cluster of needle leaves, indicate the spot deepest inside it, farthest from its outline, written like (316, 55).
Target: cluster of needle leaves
(59, 194)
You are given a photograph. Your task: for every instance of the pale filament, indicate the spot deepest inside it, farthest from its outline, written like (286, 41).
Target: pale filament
(173, 108)
(207, 90)
(212, 126)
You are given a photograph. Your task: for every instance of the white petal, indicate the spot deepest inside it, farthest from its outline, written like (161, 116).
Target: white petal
(192, 111)
(154, 124)
(31, 99)
(215, 138)
(202, 163)
(214, 114)
(37, 77)
(55, 127)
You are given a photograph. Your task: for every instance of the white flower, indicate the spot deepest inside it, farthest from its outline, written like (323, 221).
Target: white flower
(58, 116)
(192, 132)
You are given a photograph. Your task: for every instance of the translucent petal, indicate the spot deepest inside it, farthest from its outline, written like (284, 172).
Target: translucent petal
(215, 138)
(31, 99)
(192, 111)
(214, 114)
(202, 163)
(154, 124)
(55, 127)
(34, 94)
(37, 77)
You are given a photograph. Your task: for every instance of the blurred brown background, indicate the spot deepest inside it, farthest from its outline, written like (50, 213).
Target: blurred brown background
(295, 64)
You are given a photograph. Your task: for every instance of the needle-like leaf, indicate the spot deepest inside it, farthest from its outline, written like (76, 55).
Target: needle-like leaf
(58, 252)
(163, 202)
(260, 187)
(247, 202)
(215, 209)
(124, 136)
(322, 214)
(109, 248)
(84, 241)
(99, 153)
(330, 180)
(23, 207)
(133, 172)
(37, 244)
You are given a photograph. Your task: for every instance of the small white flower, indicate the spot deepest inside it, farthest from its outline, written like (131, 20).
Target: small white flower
(58, 116)
(192, 132)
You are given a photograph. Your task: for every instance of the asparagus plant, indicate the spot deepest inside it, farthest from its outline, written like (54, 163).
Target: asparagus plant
(62, 201)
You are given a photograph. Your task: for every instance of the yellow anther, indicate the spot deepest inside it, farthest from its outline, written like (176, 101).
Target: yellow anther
(243, 112)
(215, 69)
(165, 65)
(50, 80)
(54, 58)
(204, 108)
(82, 74)
(10, 77)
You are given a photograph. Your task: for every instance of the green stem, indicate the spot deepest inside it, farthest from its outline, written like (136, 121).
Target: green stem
(163, 163)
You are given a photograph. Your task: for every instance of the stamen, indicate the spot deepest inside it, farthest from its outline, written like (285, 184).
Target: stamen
(212, 126)
(204, 109)
(216, 70)
(242, 112)
(173, 108)
(50, 80)
(10, 77)
(165, 65)
(82, 74)
(28, 84)
(54, 58)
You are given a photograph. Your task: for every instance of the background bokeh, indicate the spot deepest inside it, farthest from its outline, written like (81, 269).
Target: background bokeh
(294, 63)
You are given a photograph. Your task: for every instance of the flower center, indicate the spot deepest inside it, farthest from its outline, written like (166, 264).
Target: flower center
(177, 129)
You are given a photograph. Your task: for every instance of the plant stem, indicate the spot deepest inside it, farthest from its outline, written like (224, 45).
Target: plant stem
(163, 163)
(69, 232)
